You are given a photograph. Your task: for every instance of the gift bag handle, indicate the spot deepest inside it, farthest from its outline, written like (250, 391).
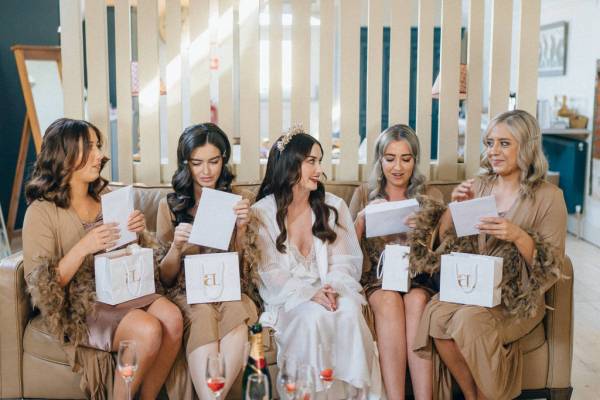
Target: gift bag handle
(136, 267)
(220, 292)
(380, 265)
(461, 278)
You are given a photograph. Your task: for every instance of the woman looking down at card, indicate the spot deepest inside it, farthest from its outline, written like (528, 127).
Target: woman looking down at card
(202, 156)
(62, 232)
(395, 177)
(309, 266)
(479, 346)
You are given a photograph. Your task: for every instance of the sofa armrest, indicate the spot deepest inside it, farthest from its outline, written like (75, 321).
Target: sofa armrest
(559, 329)
(14, 313)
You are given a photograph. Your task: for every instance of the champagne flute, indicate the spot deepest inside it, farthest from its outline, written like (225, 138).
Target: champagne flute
(305, 382)
(215, 374)
(257, 387)
(327, 366)
(127, 362)
(286, 379)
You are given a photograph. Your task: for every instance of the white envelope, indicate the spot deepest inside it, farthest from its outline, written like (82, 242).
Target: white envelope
(467, 214)
(394, 272)
(471, 279)
(117, 206)
(215, 219)
(212, 278)
(388, 218)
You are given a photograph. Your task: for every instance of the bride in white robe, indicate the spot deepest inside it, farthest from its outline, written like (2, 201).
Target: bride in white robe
(311, 291)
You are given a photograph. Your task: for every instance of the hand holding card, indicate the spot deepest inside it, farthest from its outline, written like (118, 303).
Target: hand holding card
(466, 215)
(215, 219)
(117, 206)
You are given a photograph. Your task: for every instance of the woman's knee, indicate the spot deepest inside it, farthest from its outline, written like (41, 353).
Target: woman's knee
(416, 300)
(386, 302)
(144, 328)
(169, 316)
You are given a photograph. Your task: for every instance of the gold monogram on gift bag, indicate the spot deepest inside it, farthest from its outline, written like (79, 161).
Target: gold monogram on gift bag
(212, 278)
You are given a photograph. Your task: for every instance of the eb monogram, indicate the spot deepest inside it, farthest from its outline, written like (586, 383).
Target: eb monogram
(210, 279)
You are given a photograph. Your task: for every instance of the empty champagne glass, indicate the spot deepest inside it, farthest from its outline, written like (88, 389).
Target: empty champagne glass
(127, 362)
(305, 382)
(286, 379)
(327, 366)
(257, 387)
(215, 374)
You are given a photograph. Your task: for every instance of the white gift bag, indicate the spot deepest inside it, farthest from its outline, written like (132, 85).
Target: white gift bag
(212, 278)
(471, 279)
(394, 271)
(124, 275)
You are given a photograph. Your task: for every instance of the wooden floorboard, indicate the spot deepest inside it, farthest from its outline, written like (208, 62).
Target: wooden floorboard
(585, 375)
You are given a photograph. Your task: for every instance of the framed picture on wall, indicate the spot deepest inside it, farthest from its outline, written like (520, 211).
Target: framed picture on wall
(553, 49)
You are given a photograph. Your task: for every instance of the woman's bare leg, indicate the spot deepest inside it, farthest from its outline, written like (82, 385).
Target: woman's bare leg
(169, 316)
(421, 370)
(145, 329)
(388, 308)
(197, 365)
(232, 348)
(450, 355)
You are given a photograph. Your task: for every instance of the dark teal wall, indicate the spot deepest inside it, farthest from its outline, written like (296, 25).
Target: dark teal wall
(32, 22)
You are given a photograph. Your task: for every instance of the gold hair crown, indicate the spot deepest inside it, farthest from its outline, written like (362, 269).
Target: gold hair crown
(293, 131)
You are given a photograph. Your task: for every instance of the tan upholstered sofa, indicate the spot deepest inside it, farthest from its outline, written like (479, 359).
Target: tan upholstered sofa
(33, 365)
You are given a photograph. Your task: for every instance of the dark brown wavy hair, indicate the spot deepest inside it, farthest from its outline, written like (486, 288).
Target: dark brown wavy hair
(57, 161)
(183, 182)
(284, 169)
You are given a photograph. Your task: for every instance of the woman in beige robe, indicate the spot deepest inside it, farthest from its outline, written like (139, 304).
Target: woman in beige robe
(396, 315)
(62, 231)
(480, 346)
(202, 155)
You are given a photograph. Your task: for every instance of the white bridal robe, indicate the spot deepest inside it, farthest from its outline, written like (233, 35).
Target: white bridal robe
(288, 281)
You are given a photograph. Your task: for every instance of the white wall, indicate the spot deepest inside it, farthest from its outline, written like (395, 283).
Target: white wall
(583, 49)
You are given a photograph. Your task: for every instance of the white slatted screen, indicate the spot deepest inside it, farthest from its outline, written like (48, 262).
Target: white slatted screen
(97, 71)
(449, 87)
(193, 48)
(123, 79)
(474, 85)
(424, 81)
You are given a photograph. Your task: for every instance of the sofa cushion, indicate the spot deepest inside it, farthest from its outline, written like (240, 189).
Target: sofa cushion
(41, 344)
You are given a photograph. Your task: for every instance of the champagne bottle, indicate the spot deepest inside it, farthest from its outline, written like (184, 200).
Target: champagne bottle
(257, 363)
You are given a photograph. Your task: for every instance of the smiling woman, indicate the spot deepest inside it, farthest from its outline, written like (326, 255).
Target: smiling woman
(309, 266)
(479, 346)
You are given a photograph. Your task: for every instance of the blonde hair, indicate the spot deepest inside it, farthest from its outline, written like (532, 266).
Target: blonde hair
(377, 179)
(530, 158)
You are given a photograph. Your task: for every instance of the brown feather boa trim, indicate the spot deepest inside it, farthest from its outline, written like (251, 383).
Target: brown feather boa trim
(65, 310)
(522, 285)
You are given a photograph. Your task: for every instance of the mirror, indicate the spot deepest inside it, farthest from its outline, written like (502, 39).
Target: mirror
(46, 90)
(39, 69)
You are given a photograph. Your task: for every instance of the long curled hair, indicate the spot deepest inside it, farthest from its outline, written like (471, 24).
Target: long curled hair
(284, 169)
(530, 158)
(182, 199)
(65, 142)
(377, 180)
